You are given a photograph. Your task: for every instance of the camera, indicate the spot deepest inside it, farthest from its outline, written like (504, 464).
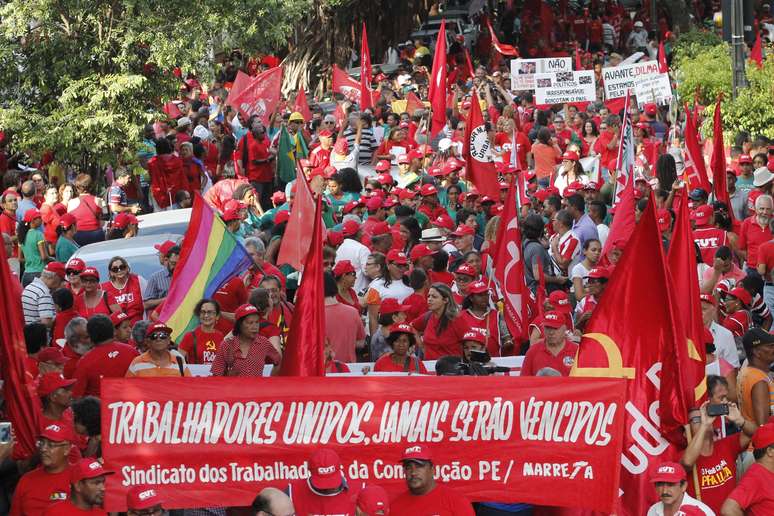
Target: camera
(717, 409)
(477, 365)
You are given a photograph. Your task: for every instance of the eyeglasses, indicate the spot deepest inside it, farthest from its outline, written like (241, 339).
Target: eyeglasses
(119, 268)
(158, 336)
(72, 272)
(45, 443)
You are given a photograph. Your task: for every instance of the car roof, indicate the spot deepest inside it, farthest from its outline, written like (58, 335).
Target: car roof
(125, 247)
(163, 218)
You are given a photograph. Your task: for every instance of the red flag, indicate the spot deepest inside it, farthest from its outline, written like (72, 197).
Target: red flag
(471, 71)
(693, 356)
(578, 60)
(340, 115)
(437, 87)
(502, 48)
(695, 171)
(624, 220)
(413, 103)
(509, 268)
(304, 354)
(540, 297)
(365, 72)
(346, 85)
(18, 384)
(477, 151)
(261, 96)
(241, 82)
(302, 106)
(295, 241)
(756, 53)
(662, 60)
(631, 335)
(172, 111)
(718, 162)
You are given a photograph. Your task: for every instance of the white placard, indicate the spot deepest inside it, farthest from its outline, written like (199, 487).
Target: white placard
(523, 71)
(619, 80)
(655, 89)
(558, 88)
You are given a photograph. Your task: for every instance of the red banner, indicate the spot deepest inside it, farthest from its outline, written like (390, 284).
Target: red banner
(346, 85)
(549, 441)
(261, 96)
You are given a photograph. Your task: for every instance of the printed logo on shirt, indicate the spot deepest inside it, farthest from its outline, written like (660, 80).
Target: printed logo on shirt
(127, 297)
(716, 476)
(568, 361)
(58, 496)
(113, 354)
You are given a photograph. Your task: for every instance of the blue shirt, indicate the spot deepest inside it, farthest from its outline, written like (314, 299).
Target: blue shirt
(24, 205)
(585, 229)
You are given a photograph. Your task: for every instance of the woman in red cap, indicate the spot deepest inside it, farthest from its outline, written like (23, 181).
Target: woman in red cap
(245, 352)
(402, 341)
(65, 243)
(32, 246)
(345, 275)
(391, 282)
(124, 289)
(477, 312)
(92, 299)
(570, 172)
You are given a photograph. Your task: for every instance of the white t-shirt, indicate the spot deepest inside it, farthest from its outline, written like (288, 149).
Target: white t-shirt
(396, 289)
(356, 253)
(725, 346)
(657, 509)
(602, 232)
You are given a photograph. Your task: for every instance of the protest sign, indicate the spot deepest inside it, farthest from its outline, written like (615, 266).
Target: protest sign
(619, 80)
(655, 89)
(523, 71)
(558, 88)
(205, 441)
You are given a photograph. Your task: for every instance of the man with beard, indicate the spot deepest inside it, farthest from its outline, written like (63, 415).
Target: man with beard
(87, 491)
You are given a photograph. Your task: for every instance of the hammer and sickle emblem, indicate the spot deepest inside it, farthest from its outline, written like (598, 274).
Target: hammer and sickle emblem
(693, 353)
(614, 369)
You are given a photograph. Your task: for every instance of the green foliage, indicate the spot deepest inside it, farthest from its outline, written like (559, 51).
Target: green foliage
(693, 42)
(707, 71)
(753, 109)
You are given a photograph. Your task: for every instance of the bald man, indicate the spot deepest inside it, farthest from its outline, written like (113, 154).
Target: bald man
(273, 502)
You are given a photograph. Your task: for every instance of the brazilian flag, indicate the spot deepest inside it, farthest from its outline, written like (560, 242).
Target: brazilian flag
(290, 148)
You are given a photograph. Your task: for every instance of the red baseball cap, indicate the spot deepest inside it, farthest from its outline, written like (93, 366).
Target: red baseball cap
(702, 215)
(123, 219)
(664, 218)
(373, 501)
(475, 335)
(31, 214)
(416, 154)
(118, 317)
(89, 272)
(50, 382)
(570, 155)
(281, 216)
(335, 238)
(245, 310)
(464, 230)
(142, 497)
(51, 354)
(382, 166)
(443, 221)
(560, 302)
(689, 510)
(764, 436)
(417, 453)
(745, 159)
(58, 432)
(670, 472)
(406, 194)
(86, 469)
(402, 328)
(380, 228)
(399, 257)
(420, 251)
(599, 273)
(385, 179)
(553, 320)
(349, 228)
(708, 298)
(59, 269)
(351, 205)
(403, 159)
(466, 270)
(75, 264)
(741, 294)
(591, 185)
(428, 190)
(160, 327)
(437, 171)
(391, 306)
(164, 247)
(374, 203)
(66, 220)
(325, 469)
(478, 287)
(342, 267)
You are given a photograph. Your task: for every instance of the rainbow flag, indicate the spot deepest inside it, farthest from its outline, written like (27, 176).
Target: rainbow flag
(209, 257)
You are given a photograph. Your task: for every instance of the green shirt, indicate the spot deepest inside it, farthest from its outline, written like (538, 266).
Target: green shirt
(65, 248)
(32, 260)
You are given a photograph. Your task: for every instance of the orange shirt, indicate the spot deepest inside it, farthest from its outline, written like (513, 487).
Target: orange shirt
(748, 377)
(546, 158)
(145, 367)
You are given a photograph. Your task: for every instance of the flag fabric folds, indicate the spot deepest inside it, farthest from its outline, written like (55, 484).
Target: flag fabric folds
(366, 101)
(695, 170)
(346, 85)
(718, 161)
(261, 96)
(437, 87)
(210, 256)
(302, 106)
(296, 240)
(756, 53)
(626, 154)
(477, 149)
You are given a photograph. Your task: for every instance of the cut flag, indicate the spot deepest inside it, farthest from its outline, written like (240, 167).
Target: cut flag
(241, 82)
(366, 101)
(171, 110)
(718, 161)
(302, 106)
(304, 352)
(631, 334)
(756, 53)
(261, 96)
(695, 171)
(502, 48)
(662, 60)
(477, 149)
(437, 87)
(346, 85)
(209, 257)
(296, 240)
(413, 103)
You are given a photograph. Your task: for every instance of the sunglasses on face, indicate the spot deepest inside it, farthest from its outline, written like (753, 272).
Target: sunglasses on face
(158, 336)
(118, 268)
(71, 272)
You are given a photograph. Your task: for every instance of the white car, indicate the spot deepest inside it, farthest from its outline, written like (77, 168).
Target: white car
(171, 221)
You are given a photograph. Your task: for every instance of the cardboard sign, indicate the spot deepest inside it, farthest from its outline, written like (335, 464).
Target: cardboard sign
(656, 89)
(558, 88)
(523, 71)
(619, 80)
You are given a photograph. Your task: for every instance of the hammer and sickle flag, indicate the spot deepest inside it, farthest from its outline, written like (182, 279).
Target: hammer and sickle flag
(632, 335)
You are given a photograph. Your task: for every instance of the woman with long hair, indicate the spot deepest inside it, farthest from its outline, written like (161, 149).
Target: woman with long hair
(124, 289)
(87, 210)
(478, 313)
(390, 283)
(92, 299)
(590, 135)
(570, 172)
(441, 327)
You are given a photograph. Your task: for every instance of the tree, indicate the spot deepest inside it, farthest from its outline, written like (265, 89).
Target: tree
(81, 77)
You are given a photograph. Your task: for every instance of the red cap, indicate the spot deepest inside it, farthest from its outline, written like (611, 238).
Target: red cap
(50, 382)
(395, 256)
(764, 436)
(385, 179)
(123, 219)
(329, 172)
(325, 469)
(425, 149)
(51, 354)
(335, 238)
(350, 228)
(742, 295)
(428, 190)
(59, 269)
(87, 468)
(118, 317)
(58, 432)
(406, 194)
(373, 501)
(437, 171)
(391, 305)
(464, 230)
(708, 298)
(158, 327)
(281, 216)
(278, 198)
(31, 214)
(382, 166)
(689, 510)
(542, 195)
(89, 272)
(599, 273)
(164, 247)
(670, 472)
(443, 221)
(402, 328)
(374, 203)
(380, 228)
(416, 154)
(403, 159)
(477, 287)
(560, 302)
(475, 335)
(341, 146)
(343, 267)
(570, 155)
(417, 452)
(245, 310)
(76, 264)
(420, 251)
(553, 320)
(486, 198)
(319, 171)
(650, 109)
(66, 220)
(325, 133)
(351, 205)
(466, 270)
(591, 185)
(390, 202)
(745, 159)
(702, 215)
(142, 497)
(664, 218)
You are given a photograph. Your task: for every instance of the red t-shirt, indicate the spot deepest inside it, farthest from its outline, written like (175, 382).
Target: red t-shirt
(353, 295)
(128, 298)
(8, 226)
(538, 357)
(206, 345)
(343, 329)
(103, 361)
(766, 256)
(50, 221)
(305, 501)
(256, 150)
(754, 493)
(447, 342)
(37, 490)
(85, 311)
(60, 321)
(717, 472)
(385, 364)
(487, 323)
(68, 509)
(751, 237)
(600, 147)
(441, 501)
(708, 240)
(417, 304)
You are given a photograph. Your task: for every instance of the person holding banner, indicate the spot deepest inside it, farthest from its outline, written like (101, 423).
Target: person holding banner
(143, 500)
(327, 490)
(245, 351)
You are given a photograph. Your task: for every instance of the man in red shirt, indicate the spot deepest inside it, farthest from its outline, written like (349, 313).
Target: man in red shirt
(87, 481)
(108, 359)
(326, 490)
(706, 236)
(256, 157)
(50, 482)
(555, 351)
(754, 495)
(142, 500)
(607, 144)
(320, 157)
(425, 496)
(755, 231)
(8, 217)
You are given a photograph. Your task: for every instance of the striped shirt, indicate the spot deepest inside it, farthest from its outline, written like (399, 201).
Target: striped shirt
(144, 366)
(158, 285)
(367, 144)
(37, 303)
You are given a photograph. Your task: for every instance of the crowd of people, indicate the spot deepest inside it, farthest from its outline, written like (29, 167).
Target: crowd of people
(409, 246)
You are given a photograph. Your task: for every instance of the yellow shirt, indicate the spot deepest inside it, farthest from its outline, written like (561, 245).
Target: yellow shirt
(748, 377)
(145, 367)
